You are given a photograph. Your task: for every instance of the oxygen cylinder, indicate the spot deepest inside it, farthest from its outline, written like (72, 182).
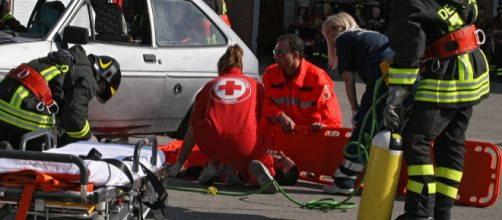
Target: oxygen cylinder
(382, 177)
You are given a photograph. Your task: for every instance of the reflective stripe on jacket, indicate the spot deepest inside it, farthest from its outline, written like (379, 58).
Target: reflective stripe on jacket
(18, 106)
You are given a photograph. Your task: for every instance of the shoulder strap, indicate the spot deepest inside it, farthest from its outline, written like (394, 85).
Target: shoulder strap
(96, 156)
(160, 190)
(36, 84)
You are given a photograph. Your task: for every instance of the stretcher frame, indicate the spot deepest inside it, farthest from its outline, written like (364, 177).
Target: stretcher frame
(102, 203)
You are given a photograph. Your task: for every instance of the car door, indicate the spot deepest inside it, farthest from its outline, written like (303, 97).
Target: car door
(190, 39)
(137, 105)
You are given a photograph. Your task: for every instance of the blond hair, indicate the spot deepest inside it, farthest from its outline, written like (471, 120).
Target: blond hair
(347, 23)
(231, 58)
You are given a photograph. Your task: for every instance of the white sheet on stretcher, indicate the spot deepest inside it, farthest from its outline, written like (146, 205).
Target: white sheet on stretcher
(100, 173)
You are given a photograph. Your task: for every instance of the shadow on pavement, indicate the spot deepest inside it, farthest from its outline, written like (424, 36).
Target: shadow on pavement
(176, 213)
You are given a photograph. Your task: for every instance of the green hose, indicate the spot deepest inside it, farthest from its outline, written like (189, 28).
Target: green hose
(318, 204)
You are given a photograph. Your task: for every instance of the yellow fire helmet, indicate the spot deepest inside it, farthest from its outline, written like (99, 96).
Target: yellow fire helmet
(107, 69)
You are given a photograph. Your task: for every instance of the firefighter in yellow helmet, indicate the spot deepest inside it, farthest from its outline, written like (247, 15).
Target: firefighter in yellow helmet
(54, 92)
(439, 36)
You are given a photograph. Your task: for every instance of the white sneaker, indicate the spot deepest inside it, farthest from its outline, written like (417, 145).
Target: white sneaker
(334, 189)
(232, 177)
(260, 172)
(209, 174)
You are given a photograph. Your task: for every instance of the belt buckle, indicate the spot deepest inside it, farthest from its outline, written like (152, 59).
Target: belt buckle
(479, 33)
(53, 108)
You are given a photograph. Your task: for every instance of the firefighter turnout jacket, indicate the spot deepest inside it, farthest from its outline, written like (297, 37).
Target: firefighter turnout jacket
(459, 80)
(307, 98)
(72, 85)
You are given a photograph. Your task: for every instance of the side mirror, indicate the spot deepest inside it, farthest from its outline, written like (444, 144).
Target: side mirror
(76, 35)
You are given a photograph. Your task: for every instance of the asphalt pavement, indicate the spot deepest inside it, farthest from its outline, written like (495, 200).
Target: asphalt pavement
(485, 125)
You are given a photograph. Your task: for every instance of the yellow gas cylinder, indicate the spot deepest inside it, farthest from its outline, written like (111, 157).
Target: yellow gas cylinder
(381, 177)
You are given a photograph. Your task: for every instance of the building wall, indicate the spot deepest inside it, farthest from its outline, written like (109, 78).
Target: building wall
(241, 13)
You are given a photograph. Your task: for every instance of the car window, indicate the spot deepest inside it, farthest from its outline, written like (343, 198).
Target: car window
(181, 23)
(82, 19)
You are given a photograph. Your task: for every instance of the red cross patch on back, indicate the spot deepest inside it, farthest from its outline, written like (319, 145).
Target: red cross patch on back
(230, 90)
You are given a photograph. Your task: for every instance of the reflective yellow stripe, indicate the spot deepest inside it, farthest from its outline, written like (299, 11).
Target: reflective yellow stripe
(25, 115)
(453, 85)
(50, 73)
(421, 170)
(403, 76)
(455, 22)
(432, 188)
(224, 7)
(466, 71)
(417, 187)
(82, 133)
(447, 190)
(452, 97)
(19, 96)
(21, 123)
(448, 173)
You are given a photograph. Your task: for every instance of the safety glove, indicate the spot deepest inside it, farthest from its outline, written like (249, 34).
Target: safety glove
(287, 124)
(392, 112)
(317, 126)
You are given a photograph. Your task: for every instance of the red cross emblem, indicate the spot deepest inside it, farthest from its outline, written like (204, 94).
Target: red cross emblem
(230, 90)
(229, 87)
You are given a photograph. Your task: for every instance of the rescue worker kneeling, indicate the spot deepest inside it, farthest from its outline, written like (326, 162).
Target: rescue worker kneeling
(224, 124)
(54, 92)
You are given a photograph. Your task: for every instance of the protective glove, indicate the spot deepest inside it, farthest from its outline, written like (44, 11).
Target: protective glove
(175, 169)
(287, 124)
(317, 126)
(392, 112)
(61, 57)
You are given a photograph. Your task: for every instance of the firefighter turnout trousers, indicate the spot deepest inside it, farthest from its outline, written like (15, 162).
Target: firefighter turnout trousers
(428, 185)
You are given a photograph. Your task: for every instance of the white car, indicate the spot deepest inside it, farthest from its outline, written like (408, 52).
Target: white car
(167, 50)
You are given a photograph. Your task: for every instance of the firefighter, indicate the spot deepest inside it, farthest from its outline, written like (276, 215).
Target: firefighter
(355, 51)
(7, 20)
(298, 92)
(441, 36)
(54, 92)
(225, 125)
(220, 7)
(496, 33)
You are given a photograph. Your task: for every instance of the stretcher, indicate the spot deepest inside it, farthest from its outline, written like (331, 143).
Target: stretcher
(318, 156)
(83, 180)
